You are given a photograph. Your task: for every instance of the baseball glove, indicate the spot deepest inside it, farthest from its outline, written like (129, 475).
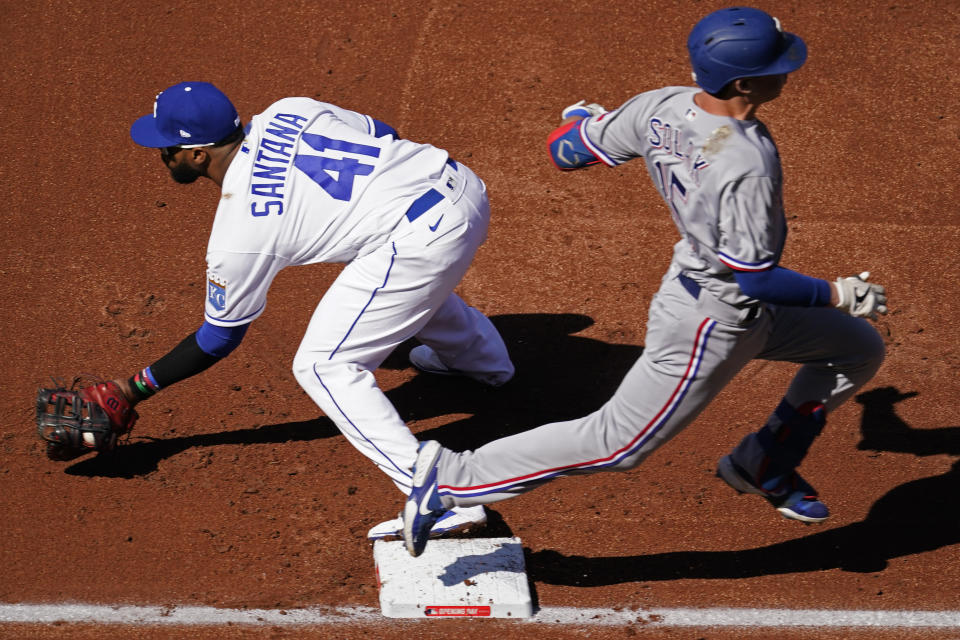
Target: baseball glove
(74, 422)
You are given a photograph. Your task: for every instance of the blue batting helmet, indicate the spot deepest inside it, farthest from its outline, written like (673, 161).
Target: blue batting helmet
(741, 42)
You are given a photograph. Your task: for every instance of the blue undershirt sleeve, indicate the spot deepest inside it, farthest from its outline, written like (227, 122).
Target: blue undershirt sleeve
(779, 285)
(196, 353)
(220, 341)
(381, 129)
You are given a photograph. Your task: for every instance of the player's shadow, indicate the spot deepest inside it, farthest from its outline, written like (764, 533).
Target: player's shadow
(466, 567)
(142, 456)
(559, 376)
(883, 430)
(912, 518)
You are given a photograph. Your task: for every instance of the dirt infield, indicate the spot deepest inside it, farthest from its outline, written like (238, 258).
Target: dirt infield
(235, 492)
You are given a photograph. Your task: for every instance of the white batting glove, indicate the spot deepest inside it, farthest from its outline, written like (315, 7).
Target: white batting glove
(583, 110)
(860, 298)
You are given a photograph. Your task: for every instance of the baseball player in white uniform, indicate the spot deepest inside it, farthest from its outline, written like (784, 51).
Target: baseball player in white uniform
(309, 182)
(724, 300)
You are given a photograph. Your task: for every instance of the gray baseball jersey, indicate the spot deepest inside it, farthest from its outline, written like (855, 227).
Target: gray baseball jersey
(720, 177)
(721, 180)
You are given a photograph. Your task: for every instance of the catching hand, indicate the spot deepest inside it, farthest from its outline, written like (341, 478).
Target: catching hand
(74, 422)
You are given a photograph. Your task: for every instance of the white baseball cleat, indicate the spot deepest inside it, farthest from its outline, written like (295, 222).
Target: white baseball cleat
(456, 520)
(426, 359)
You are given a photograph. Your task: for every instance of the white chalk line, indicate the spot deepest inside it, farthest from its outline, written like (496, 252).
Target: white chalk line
(320, 616)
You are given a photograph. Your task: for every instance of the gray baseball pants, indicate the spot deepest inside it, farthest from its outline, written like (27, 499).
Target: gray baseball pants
(694, 347)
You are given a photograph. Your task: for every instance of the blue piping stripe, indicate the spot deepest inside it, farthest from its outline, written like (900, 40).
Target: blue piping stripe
(359, 433)
(372, 295)
(244, 319)
(347, 335)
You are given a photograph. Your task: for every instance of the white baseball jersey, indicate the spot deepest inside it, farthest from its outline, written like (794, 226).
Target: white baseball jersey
(310, 184)
(720, 176)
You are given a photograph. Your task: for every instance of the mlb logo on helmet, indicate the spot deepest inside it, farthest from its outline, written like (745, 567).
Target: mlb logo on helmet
(188, 114)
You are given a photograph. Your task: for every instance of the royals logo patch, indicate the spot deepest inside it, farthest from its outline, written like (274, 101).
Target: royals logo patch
(217, 292)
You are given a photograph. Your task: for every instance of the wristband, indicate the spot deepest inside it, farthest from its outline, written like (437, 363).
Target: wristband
(142, 384)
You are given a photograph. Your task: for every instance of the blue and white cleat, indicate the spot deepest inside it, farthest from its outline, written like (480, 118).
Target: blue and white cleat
(798, 501)
(423, 507)
(455, 521)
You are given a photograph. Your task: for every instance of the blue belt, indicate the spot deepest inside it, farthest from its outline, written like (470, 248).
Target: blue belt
(690, 285)
(425, 202)
(694, 290)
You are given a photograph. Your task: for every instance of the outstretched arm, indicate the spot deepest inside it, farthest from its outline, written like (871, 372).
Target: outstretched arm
(779, 285)
(196, 353)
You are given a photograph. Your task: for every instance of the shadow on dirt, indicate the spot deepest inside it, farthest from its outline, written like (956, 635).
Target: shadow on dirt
(915, 517)
(543, 347)
(560, 376)
(142, 456)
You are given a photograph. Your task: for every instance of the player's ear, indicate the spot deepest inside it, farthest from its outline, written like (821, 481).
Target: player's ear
(199, 156)
(743, 85)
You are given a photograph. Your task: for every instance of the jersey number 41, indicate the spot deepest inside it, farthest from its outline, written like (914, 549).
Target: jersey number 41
(321, 169)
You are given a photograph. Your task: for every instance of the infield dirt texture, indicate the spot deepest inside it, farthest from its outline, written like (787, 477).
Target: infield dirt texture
(234, 492)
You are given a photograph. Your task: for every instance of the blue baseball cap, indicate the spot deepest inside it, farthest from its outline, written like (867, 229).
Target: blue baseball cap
(189, 114)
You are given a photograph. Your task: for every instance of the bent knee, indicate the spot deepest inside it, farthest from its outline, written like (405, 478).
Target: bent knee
(875, 350)
(867, 352)
(311, 368)
(303, 369)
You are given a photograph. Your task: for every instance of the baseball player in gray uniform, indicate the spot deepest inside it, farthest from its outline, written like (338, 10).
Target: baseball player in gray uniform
(307, 182)
(724, 300)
